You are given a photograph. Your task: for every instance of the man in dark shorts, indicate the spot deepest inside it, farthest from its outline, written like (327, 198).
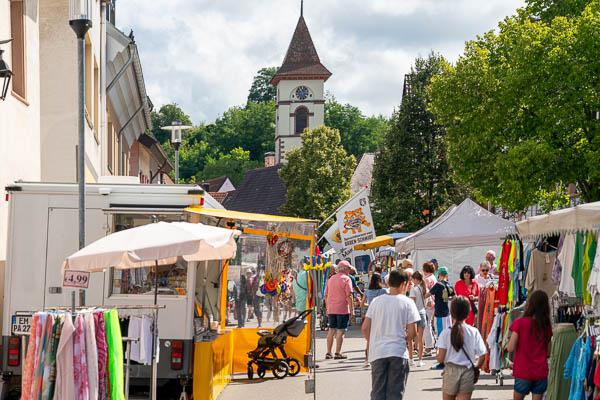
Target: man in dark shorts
(338, 298)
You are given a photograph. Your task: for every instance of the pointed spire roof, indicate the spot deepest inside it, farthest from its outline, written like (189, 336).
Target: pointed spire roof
(301, 60)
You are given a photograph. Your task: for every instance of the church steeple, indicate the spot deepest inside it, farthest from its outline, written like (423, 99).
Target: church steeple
(301, 59)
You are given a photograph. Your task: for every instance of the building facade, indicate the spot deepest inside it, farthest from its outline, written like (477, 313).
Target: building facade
(300, 85)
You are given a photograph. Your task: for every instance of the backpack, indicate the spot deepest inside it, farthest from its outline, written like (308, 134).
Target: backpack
(448, 292)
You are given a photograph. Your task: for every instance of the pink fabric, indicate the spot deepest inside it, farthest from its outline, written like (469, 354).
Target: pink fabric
(79, 361)
(30, 359)
(38, 371)
(102, 353)
(339, 289)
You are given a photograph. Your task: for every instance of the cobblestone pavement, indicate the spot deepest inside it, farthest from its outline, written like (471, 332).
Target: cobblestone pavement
(350, 379)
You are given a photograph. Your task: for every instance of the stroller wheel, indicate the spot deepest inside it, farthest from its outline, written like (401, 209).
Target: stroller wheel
(294, 366)
(250, 372)
(261, 372)
(280, 370)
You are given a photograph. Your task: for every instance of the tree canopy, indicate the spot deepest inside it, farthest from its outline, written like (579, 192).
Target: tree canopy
(317, 174)
(521, 108)
(261, 90)
(359, 134)
(412, 183)
(233, 165)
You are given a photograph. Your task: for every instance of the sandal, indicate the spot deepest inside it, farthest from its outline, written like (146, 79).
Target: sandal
(340, 356)
(328, 356)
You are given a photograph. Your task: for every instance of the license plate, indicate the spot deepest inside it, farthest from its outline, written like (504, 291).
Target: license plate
(21, 324)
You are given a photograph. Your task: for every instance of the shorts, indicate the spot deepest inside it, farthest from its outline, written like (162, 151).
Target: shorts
(338, 321)
(457, 379)
(525, 387)
(423, 322)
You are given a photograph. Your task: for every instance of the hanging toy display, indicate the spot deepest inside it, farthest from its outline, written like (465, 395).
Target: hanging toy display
(319, 263)
(279, 254)
(273, 287)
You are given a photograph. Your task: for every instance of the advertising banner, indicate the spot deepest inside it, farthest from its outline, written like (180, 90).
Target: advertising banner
(354, 220)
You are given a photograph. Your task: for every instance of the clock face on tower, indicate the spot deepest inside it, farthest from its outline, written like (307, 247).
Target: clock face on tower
(302, 93)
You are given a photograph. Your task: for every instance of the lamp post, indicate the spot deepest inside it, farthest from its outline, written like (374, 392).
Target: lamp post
(176, 129)
(80, 21)
(5, 73)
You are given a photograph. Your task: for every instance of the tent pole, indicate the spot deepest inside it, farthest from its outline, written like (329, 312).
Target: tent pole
(155, 336)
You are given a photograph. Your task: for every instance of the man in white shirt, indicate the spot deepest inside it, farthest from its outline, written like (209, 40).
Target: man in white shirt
(390, 321)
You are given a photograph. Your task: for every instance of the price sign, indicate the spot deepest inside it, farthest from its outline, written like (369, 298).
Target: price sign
(77, 279)
(21, 324)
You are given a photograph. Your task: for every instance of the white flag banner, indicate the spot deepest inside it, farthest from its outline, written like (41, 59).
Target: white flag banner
(333, 237)
(354, 220)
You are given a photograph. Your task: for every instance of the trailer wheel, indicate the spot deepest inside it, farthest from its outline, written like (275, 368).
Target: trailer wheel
(250, 372)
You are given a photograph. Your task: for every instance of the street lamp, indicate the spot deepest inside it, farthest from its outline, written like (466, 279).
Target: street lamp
(5, 72)
(80, 20)
(176, 129)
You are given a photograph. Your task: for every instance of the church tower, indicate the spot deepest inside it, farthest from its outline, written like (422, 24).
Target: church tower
(300, 91)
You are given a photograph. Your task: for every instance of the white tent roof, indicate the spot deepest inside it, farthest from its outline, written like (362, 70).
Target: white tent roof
(465, 225)
(585, 217)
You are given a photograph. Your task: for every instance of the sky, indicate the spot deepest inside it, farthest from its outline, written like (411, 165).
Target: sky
(203, 54)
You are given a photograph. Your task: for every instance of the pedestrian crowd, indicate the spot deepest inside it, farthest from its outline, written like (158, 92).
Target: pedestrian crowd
(411, 314)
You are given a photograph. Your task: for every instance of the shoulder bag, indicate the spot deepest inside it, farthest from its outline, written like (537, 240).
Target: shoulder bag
(476, 370)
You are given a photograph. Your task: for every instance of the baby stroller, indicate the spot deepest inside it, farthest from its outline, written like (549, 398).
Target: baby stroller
(265, 355)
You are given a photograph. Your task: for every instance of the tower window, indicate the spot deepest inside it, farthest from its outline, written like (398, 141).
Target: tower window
(301, 117)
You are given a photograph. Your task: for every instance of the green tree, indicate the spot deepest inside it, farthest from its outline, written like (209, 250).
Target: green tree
(359, 134)
(547, 10)
(261, 90)
(251, 128)
(412, 183)
(164, 117)
(233, 165)
(317, 174)
(520, 107)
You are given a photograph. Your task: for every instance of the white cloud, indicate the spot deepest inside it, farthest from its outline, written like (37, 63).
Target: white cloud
(202, 54)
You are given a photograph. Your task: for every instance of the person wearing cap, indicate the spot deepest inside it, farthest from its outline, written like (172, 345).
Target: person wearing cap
(443, 292)
(338, 299)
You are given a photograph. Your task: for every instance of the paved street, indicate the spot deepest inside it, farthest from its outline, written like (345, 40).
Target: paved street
(349, 380)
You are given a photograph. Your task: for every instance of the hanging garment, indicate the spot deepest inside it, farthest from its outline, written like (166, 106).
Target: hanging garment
(588, 258)
(503, 276)
(134, 331)
(487, 319)
(49, 380)
(539, 276)
(565, 259)
(562, 341)
(493, 341)
(141, 329)
(29, 360)
(576, 367)
(115, 355)
(65, 381)
(594, 283)
(557, 269)
(101, 346)
(577, 272)
(42, 336)
(511, 271)
(146, 340)
(91, 355)
(80, 369)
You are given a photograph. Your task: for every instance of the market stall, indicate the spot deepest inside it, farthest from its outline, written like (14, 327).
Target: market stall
(265, 284)
(460, 236)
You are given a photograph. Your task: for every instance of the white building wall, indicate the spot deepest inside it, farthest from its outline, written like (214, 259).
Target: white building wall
(286, 106)
(58, 74)
(19, 120)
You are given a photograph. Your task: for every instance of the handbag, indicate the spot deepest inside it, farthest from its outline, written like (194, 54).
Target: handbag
(473, 305)
(476, 371)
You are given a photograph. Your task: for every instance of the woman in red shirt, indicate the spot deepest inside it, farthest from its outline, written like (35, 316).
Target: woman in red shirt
(468, 287)
(530, 343)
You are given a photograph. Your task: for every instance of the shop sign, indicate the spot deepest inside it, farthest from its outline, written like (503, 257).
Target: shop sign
(76, 279)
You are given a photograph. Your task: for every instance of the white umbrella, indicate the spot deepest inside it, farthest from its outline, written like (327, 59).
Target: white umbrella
(150, 244)
(155, 244)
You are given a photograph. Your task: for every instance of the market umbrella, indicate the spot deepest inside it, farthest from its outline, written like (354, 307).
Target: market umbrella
(153, 245)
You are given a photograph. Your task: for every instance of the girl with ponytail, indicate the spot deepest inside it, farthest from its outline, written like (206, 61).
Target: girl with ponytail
(461, 349)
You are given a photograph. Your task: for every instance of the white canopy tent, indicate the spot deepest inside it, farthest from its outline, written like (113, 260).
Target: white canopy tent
(460, 236)
(585, 217)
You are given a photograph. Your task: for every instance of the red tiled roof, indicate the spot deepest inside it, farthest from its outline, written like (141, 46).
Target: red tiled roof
(219, 196)
(301, 60)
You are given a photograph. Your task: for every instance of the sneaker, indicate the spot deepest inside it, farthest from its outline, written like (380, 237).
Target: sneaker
(420, 364)
(437, 367)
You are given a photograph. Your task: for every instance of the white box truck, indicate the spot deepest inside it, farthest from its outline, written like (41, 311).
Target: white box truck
(43, 231)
